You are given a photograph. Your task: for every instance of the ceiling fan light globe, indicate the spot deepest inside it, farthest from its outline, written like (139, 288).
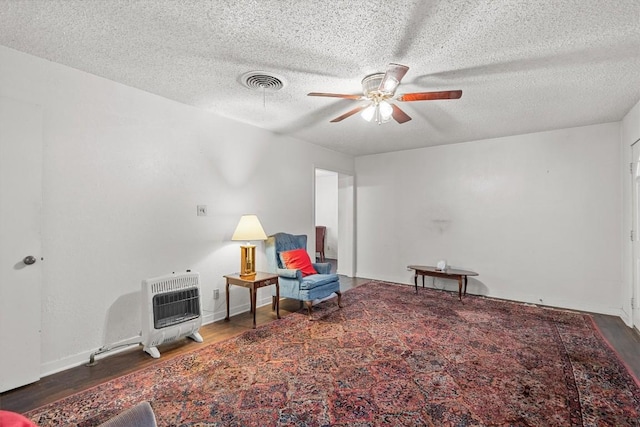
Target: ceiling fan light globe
(390, 85)
(368, 113)
(386, 110)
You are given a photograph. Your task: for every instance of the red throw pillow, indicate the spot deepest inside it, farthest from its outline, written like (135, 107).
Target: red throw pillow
(298, 259)
(12, 419)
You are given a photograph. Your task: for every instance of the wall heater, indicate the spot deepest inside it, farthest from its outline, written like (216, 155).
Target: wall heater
(170, 310)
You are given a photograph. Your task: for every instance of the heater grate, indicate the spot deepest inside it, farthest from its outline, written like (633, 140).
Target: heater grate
(175, 307)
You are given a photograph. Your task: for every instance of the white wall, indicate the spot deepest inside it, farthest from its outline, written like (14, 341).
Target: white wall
(538, 216)
(123, 173)
(630, 133)
(327, 210)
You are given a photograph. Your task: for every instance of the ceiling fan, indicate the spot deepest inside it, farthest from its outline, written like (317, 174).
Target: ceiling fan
(379, 90)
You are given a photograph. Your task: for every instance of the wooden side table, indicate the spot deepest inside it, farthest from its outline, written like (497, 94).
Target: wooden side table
(253, 284)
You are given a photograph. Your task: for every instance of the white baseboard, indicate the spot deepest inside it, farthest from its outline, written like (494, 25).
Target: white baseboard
(452, 285)
(79, 359)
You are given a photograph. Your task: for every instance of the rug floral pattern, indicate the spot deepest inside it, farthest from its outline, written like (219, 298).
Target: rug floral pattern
(388, 358)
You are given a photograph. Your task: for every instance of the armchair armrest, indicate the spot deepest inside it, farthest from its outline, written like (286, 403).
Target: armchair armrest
(322, 267)
(289, 273)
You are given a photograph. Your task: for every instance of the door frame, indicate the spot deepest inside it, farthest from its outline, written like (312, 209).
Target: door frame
(633, 304)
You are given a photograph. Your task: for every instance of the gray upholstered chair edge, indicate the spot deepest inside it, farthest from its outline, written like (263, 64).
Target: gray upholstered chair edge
(140, 415)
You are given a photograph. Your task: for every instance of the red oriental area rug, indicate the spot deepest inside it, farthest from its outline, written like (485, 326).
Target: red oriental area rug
(388, 358)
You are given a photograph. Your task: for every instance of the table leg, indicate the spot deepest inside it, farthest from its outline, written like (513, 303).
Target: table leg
(226, 319)
(465, 286)
(415, 281)
(460, 288)
(277, 300)
(423, 280)
(253, 305)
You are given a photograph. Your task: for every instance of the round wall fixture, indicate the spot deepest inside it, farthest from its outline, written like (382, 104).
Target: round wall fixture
(262, 80)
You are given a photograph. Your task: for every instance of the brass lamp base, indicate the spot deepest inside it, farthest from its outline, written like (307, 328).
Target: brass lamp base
(247, 261)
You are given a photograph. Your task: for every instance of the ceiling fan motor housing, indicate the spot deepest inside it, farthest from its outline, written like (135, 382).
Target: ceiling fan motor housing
(371, 83)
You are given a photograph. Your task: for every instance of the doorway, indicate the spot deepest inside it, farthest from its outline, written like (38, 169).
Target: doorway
(334, 210)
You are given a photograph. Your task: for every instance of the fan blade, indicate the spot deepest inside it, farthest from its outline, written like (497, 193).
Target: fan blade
(428, 96)
(336, 95)
(392, 78)
(349, 114)
(399, 115)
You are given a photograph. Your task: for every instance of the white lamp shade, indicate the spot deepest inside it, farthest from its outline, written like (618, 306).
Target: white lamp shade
(249, 228)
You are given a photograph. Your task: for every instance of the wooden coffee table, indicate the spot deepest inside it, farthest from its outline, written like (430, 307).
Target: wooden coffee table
(448, 273)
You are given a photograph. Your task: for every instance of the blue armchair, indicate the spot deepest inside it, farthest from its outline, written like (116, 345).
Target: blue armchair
(292, 284)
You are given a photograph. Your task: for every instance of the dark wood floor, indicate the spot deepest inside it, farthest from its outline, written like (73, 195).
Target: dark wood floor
(625, 340)
(53, 387)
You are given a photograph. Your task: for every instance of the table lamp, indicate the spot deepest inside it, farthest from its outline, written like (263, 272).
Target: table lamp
(249, 228)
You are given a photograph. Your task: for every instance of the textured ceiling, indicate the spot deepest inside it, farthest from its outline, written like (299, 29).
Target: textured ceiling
(523, 66)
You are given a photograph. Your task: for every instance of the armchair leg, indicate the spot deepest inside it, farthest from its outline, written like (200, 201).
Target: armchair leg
(309, 305)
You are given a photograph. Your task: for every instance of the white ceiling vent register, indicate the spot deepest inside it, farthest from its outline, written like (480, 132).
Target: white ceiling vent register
(262, 80)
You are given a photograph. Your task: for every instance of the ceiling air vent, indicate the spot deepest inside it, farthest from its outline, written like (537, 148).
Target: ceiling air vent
(261, 80)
